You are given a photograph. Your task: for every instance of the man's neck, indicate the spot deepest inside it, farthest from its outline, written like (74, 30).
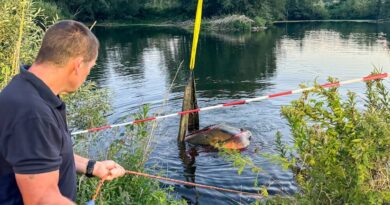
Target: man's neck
(53, 77)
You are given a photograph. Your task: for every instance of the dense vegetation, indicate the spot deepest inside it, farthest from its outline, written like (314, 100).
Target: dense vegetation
(341, 150)
(269, 10)
(131, 150)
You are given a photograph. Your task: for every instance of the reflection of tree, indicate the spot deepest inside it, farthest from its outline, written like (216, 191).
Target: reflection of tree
(384, 33)
(126, 46)
(187, 156)
(229, 66)
(364, 34)
(226, 63)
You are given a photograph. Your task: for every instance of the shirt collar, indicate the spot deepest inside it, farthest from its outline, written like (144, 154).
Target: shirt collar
(43, 90)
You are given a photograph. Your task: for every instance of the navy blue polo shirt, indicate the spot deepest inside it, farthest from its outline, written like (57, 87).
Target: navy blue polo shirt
(34, 137)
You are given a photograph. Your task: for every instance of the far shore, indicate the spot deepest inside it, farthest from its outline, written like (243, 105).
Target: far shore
(331, 20)
(188, 24)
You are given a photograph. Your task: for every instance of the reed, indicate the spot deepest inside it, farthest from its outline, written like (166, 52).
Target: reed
(19, 37)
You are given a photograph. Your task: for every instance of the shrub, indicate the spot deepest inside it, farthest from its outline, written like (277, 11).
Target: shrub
(343, 152)
(260, 22)
(87, 106)
(131, 150)
(232, 22)
(49, 12)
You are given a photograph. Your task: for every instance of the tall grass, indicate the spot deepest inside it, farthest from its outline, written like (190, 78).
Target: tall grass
(19, 36)
(22, 25)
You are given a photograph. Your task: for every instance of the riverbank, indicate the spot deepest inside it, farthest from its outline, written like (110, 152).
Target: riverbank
(222, 23)
(332, 21)
(227, 23)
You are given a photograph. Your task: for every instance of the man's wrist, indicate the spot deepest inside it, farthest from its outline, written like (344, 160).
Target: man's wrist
(90, 168)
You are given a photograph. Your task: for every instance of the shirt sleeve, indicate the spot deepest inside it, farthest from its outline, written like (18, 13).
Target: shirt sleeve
(34, 147)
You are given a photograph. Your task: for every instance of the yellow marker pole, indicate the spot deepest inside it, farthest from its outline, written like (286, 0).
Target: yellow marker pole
(189, 101)
(198, 21)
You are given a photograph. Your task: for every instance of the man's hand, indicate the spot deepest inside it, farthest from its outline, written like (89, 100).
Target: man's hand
(108, 169)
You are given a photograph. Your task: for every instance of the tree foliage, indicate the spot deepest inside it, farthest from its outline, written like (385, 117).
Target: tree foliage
(266, 9)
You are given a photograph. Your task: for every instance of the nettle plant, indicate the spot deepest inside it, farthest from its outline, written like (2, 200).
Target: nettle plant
(341, 153)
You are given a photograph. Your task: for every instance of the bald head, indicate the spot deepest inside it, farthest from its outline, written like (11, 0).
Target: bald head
(66, 40)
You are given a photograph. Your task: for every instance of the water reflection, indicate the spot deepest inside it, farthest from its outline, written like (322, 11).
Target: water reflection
(221, 74)
(187, 155)
(129, 46)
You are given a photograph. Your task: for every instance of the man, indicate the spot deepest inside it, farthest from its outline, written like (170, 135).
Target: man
(37, 164)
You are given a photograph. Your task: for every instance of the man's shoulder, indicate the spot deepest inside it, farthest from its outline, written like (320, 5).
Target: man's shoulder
(19, 94)
(16, 88)
(19, 102)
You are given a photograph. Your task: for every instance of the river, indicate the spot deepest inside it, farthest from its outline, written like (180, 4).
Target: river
(138, 65)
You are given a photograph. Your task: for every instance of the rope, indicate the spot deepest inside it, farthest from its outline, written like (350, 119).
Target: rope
(101, 182)
(239, 102)
(252, 195)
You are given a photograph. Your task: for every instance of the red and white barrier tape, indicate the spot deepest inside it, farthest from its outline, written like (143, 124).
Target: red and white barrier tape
(240, 102)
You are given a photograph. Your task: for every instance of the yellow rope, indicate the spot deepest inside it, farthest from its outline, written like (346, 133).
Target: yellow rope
(198, 21)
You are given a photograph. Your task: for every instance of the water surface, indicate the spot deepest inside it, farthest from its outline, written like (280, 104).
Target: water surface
(138, 65)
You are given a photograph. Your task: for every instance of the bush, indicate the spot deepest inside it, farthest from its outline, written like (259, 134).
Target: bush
(233, 23)
(343, 152)
(50, 12)
(81, 114)
(260, 22)
(131, 150)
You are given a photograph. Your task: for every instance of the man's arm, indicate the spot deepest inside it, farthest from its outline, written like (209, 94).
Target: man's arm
(108, 168)
(81, 164)
(41, 189)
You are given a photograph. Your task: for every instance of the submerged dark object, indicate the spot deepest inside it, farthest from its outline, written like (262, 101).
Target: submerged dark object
(217, 136)
(189, 122)
(221, 136)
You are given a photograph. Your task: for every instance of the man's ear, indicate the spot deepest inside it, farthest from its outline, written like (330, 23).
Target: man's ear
(76, 65)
